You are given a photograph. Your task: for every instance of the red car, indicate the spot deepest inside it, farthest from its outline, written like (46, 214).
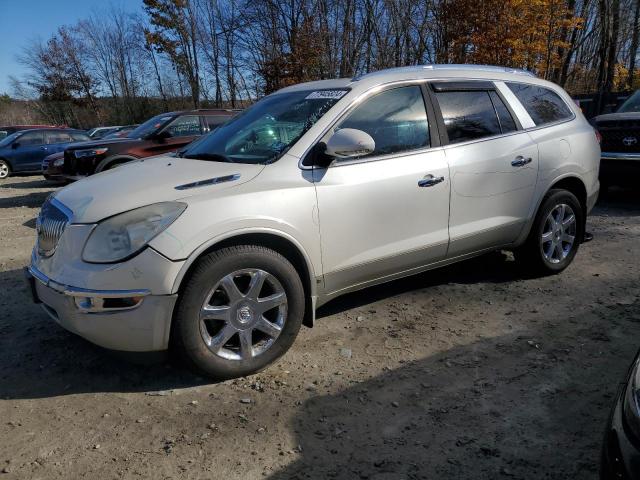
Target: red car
(163, 133)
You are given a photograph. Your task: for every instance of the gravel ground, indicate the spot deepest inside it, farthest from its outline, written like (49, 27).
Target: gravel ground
(469, 372)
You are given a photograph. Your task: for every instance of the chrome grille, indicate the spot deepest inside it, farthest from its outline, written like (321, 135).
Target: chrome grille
(50, 225)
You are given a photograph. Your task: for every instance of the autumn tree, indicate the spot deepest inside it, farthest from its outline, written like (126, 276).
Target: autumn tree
(174, 32)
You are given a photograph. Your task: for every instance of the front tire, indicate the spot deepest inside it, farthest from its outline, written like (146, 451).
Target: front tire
(555, 235)
(5, 169)
(240, 311)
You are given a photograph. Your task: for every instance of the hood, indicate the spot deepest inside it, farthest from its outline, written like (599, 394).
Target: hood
(102, 143)
(148, 181)
(617, 116)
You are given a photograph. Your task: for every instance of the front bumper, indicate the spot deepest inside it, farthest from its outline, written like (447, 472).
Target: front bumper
(125, 320)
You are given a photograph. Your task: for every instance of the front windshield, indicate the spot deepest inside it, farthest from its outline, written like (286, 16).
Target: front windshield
(632, 104)
(9, 139)
(151, 126)
(264, 132)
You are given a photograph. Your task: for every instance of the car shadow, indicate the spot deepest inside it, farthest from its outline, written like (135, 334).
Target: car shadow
(33, 345)
(492, 409)
(39, 183)
(38, 358)
(30, 200)
(618, 202)
(492, 267)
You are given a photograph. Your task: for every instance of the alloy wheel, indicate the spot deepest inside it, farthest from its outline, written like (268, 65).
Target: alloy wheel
(4, 170)
(559, 233)
(243, 314)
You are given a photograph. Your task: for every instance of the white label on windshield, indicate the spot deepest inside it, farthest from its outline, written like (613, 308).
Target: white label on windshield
(322, 94)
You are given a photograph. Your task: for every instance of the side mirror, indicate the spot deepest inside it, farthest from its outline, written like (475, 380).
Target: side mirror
(349, 143)
(15, 145)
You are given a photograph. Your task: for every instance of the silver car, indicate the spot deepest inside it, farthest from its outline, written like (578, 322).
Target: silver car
(222, 252)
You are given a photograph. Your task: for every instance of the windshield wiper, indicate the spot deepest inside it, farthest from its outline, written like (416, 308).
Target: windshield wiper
(214, 157)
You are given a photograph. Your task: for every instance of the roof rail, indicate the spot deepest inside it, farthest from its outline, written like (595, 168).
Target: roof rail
(448, 66)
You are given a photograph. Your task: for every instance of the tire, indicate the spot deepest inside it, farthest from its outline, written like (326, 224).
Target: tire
(221, 284)
(554, 253)
(5, 169)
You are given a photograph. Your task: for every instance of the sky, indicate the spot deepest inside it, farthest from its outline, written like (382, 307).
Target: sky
(21, 21)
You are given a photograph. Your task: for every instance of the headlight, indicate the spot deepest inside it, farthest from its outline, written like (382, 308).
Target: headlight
(89, 152)
(124, 235)
(58, 162)
(631, 406)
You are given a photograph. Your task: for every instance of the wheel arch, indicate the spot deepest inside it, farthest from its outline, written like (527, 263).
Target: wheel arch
(117, 158)
(280, 243)
(569, 182)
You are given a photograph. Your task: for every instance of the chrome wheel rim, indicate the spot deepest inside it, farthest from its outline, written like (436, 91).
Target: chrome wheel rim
(243, 314)
(4, 170)
(559, 233)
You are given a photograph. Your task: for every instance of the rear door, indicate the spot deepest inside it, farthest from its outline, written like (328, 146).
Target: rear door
(29, 151)
(387, 213)
(493, 163)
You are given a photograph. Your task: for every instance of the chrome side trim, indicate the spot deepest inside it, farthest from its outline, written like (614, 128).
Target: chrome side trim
(619, 156)
(208, 181)
(84, 292)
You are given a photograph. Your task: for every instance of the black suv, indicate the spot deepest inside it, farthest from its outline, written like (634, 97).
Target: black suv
(161, 134)
(620, 164)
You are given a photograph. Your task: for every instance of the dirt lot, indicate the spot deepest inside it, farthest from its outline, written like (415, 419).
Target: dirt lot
(472, 371)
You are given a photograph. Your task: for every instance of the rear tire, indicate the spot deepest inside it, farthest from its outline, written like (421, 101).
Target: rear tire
(555, 235)
(240, 311)
(5, 169)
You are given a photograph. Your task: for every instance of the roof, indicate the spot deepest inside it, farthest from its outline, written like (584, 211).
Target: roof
(434, 71)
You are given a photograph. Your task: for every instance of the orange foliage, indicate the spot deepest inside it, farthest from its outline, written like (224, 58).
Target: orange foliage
(527, 34)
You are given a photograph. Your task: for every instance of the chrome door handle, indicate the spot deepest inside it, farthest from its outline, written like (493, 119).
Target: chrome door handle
(430, 181)
(520, 161)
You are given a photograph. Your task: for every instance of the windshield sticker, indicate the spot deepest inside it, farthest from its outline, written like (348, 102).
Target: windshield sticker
(323, 94)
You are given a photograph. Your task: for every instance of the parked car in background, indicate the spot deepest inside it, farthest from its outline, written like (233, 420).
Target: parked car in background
(621, 449)
(52, 167)
(23, 151)
(5, 131)
(620, 131)
(161, 134)
(224, 250)
(99, 132)
(121, 132)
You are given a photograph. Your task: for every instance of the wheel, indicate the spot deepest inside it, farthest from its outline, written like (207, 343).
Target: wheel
(241, 310)
(5, 169)
(555, 234)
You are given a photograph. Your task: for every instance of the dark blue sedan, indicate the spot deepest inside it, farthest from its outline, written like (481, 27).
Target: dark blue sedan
(23, 151)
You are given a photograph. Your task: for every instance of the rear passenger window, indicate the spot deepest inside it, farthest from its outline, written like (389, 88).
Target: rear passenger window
(396, 120)
(57, 137)
(214, 121)
(468, 115)
(542, 105)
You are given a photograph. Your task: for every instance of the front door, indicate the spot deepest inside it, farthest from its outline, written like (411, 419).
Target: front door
(387, 213)
(29, 151)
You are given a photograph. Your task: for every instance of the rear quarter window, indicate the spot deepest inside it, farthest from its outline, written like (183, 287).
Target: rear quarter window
(542, 104)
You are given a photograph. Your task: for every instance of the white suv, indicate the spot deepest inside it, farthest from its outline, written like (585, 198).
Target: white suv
(223, 251)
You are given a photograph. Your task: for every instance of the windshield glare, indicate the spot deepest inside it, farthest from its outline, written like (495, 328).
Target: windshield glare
(631, 104)
(264, 132)
(10, 138)
(150, 126)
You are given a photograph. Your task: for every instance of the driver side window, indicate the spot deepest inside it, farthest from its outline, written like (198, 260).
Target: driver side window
(396, 120)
